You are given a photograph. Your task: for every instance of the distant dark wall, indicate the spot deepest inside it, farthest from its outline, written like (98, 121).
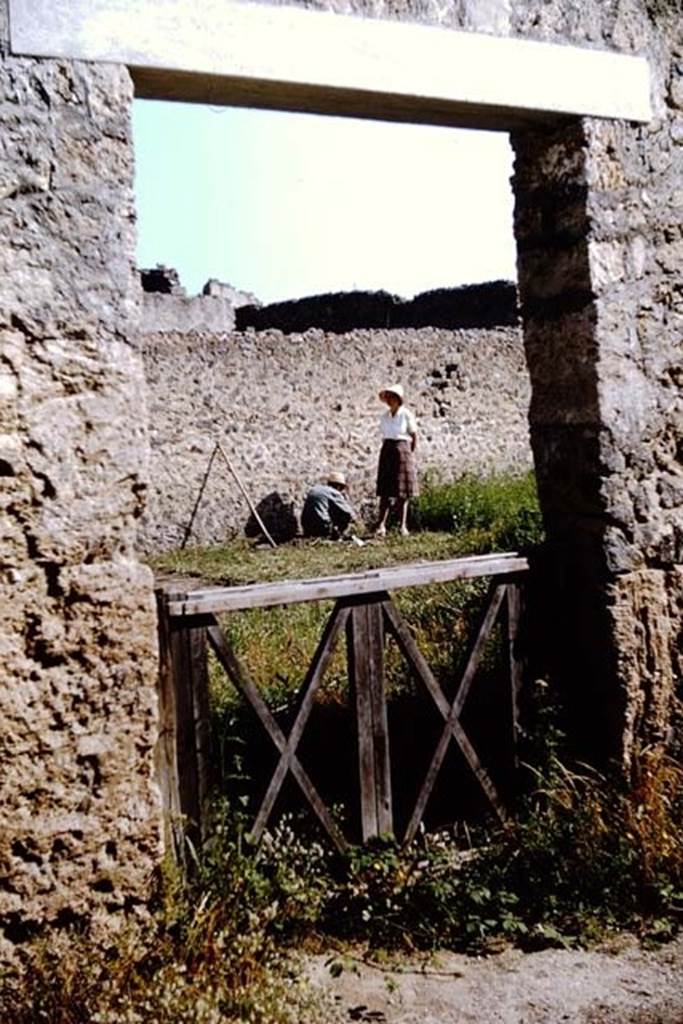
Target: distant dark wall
(477, 305)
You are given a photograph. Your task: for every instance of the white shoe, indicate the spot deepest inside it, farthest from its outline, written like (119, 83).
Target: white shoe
(405, 532)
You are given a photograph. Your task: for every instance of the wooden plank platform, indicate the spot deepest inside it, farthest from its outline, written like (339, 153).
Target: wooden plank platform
(268, 595)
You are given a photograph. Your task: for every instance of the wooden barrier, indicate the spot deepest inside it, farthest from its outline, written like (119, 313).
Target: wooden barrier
(365, 612)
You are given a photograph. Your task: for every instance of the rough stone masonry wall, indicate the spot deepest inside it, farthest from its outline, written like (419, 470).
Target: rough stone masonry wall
(79, 814)
(288, 407)
(599, 228)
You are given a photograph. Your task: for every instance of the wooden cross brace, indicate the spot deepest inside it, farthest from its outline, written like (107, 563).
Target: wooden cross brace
(287, 745)
(452, 729)
(365, 619)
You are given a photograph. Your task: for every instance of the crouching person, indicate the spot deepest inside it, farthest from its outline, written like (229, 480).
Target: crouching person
(327, 511)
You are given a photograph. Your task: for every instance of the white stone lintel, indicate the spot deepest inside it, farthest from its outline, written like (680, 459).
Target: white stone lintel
(243, 54)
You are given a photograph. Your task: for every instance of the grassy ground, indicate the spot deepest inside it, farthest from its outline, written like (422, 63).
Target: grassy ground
(464, 517)
(241, 561)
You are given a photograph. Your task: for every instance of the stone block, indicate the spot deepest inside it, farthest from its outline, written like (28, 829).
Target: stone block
(607, 263)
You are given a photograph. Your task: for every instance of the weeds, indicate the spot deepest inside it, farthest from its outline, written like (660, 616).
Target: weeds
(495, 513)
(209, 955)
(585, 855)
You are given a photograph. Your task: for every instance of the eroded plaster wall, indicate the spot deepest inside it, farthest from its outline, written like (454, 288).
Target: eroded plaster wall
(290, 407)
(79, 811)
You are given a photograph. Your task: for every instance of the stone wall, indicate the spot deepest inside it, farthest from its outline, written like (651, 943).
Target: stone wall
(79, 812)
(166, 306)
(290, 407)
(599, 228)
(599, 225)
(183, 313)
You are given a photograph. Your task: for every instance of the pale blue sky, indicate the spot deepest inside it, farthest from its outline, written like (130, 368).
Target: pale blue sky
(285, 205)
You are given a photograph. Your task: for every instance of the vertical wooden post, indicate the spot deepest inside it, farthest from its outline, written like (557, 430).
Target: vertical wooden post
(365, 638)
(184, 753)
(165, 753)
(514, 611)
(205, 764)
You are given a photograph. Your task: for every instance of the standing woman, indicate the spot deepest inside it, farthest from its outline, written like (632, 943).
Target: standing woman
(396, 476)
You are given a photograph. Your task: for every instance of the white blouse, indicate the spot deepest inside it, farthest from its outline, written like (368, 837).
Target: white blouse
(399, 427)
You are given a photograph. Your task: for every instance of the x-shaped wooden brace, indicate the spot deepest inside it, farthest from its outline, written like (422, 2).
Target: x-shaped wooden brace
(287, 745)
(451, 713)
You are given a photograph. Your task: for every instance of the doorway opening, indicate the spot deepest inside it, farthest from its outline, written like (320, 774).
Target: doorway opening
(342, 255)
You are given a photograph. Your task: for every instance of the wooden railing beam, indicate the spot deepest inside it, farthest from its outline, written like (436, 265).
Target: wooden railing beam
(215, 600)
(516, 665)
(250, 692)
(185, 756)
(452, 728)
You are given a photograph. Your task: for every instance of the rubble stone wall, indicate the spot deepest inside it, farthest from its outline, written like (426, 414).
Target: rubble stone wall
(79, 811)
(289, 407)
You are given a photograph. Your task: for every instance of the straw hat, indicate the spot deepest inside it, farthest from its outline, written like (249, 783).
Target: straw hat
(392, 389)
(336, 478)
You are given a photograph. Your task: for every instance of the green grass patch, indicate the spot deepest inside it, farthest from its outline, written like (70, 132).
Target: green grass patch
(241, 561)
(450, 520)
(494, 513)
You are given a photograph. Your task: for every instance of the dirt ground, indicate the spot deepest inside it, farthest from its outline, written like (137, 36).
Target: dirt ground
(619, 983)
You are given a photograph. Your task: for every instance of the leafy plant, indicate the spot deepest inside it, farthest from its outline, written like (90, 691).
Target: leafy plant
(587, 853)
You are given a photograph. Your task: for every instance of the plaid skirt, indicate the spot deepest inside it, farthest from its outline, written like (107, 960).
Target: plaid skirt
(396, 475)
